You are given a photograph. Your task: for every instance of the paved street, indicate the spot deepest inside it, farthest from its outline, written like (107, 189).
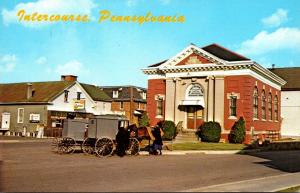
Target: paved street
(30, 166)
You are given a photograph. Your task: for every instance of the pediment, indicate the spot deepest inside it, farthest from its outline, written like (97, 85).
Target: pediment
(193, 58)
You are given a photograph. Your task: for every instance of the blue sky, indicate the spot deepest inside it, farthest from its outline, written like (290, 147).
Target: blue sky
(267, 31)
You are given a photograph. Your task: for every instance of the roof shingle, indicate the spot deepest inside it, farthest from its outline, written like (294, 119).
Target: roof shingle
(291, 75)
(43, 91)
(95, 92)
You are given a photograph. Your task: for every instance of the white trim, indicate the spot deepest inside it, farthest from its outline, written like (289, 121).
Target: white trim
(232, 117)
(18, 119)
(156, 76)
(189, 50)
(224, 73)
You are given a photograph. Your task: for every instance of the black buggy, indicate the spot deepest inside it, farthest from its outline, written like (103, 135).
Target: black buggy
(96, 135)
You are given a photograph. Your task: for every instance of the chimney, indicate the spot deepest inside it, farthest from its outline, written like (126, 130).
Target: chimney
(68, 78)
(29, 91)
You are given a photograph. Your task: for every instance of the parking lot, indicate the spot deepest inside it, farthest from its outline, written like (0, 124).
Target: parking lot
(31, 166)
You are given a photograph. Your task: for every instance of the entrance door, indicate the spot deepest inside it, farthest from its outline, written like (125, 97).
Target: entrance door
(5, 121)
(194, 116)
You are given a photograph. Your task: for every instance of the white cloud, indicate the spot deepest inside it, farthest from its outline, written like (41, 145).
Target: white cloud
(73, 67)
(264, 42)
(48, 7)
(7, 63)
(41, 60)
(276, 19)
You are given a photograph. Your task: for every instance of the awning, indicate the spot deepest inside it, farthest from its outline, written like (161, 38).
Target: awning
(199, 102)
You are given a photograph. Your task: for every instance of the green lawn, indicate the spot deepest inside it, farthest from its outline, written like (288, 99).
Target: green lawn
(206, 146)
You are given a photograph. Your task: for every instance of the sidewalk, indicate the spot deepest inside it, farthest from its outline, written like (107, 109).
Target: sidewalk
(265, 184)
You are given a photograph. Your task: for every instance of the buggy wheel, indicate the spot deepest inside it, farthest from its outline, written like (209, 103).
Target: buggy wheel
(88, 146)
(68, 145)
(55, 145)
(104, 147)
(134, 147)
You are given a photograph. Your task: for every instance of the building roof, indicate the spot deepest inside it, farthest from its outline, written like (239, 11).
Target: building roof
(124, 92)
(43, 91)
(157, 64)
(291, 75)
(218, 51)
(224, 53)
(95, 92)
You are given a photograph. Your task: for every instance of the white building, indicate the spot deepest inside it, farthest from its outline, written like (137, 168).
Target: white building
(290, 101)
(26, 106)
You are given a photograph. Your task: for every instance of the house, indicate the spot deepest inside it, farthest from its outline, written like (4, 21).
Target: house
(130, 100)
(24, 106)
(212, 83)
(290, 101)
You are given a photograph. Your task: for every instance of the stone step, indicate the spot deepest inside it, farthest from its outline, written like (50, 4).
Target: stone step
(186, 137)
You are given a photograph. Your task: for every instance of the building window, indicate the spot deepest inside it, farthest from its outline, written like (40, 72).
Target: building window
(276, 108)
(144, 95)
(255, 103)
(159, 107)
(20, 115)
(232, 106)
(270, 107)
(66, 96)
(78, 95)
(139, 105)
(115, 94)
(121, 105)
(195, 91)
(263, 105)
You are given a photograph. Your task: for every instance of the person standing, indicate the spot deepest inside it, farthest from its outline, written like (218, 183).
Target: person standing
(158, 142)
(122, 139)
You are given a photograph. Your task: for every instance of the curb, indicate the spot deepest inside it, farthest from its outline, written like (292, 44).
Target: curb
(196, 152)
(264, 184)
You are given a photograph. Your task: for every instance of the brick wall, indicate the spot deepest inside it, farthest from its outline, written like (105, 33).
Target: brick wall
(155, 87)
(244, 85)
(115, 106)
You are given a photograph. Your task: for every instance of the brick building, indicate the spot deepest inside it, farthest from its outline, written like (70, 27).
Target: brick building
(213, 83)
(130, 100)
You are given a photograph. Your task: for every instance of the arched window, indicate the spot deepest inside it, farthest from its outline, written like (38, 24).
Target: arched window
(263, 105)
(195, 90)
(255, 103)
(276, 108)
(270, 107)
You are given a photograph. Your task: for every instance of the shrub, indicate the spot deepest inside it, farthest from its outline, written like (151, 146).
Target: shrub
(169, 129)
(238, 131)
(209, 132)
(144, 121)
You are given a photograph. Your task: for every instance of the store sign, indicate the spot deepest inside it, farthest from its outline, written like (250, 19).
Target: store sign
(79, 104)
(34, 118)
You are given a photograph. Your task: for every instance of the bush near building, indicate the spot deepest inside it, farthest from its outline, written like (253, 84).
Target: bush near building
(169, 129)
(238, 132)
(210, 131)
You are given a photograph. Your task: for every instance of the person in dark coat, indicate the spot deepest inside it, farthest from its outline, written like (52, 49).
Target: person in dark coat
(158, 142)
(122, 139)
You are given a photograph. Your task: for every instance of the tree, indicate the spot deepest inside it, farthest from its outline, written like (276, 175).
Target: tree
(144, 120)
(238, 131)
